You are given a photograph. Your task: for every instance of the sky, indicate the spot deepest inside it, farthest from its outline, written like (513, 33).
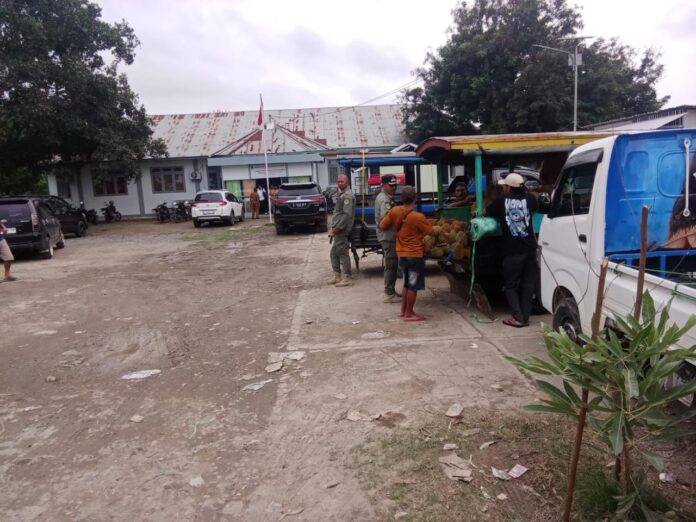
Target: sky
(208, 55)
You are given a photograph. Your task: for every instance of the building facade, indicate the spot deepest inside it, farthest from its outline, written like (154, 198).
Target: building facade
(226, 150)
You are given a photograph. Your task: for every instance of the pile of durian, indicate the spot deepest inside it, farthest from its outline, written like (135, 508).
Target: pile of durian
(452, 239)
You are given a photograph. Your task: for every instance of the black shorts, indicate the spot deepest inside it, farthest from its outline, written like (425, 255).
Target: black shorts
(414, 272)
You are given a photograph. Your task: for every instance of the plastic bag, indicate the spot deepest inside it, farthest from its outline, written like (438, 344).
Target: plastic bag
(484, 226)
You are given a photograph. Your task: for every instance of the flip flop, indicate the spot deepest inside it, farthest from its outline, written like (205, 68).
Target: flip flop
(511, 321)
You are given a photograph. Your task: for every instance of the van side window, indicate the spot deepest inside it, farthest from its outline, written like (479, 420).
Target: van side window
(574, 192)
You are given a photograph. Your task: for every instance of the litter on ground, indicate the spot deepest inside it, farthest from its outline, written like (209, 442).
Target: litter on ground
(142, 374)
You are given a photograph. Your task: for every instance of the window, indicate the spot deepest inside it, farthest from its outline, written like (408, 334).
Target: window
(63, 188)
(114, 184)
(334, 171)
(231, 197)
(167, 179)
(574, 192)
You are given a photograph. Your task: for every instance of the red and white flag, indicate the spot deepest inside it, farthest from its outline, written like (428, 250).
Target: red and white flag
(260, 122)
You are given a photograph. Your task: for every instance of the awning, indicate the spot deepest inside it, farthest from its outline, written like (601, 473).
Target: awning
(538, 143)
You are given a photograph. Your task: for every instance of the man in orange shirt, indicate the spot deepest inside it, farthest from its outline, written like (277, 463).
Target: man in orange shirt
(410, 228)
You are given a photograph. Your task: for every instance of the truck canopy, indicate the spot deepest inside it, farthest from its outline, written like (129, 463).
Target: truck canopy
(652, 169)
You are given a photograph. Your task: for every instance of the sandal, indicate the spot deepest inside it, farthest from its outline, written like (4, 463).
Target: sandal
(511, 321)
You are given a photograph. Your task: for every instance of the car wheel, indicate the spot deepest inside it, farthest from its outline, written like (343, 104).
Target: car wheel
(230, 220)
(241, 216)
(47, 254)
(196, 223)
(280, 229)
(61, 241)
(323, 226)
(567, 318)
(80, 229)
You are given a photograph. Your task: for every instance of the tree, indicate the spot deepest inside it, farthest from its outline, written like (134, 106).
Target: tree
(490, 78)
(61, 104)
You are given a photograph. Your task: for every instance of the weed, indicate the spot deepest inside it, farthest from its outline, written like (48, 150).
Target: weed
(222, 235)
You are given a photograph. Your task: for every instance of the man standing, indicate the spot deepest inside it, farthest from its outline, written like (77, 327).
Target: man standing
(514, 210)
(341, 225)
(255, 203)
(410, 227)
(6, 254)
(262, 198)
(387, 238)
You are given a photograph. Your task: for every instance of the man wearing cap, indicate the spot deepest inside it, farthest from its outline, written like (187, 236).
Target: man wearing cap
(341, 226)
(514, 210)
(387, 238)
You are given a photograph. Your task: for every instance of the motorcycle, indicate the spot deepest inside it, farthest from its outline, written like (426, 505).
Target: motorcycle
(162, 212)
(110, 212)
(181, 210)
(90, 215)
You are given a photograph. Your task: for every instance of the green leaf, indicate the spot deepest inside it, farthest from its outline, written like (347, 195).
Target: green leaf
(570, 392)
(648, 309)
(631, 383)
(553, 392)
(655, 460)
(625, 503)
(616, 435)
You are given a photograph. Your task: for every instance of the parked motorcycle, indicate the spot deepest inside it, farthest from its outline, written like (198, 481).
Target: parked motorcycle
(181, 210)
(162, 212)
(110, 212)
(91, 215)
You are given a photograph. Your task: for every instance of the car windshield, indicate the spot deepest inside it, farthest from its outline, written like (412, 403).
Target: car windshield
(14, 211)
(298, 189)
(209, 196)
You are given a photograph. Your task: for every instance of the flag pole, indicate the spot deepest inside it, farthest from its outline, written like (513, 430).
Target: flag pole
(265, 160)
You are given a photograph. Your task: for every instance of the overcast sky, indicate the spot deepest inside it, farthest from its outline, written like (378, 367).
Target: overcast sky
(206, 55)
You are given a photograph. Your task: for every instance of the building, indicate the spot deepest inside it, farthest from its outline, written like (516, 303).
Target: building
(226, 150)
(681, 117)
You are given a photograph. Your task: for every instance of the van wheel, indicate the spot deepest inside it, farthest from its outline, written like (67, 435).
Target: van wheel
(61, 242)
(566, 317)
(47, 254)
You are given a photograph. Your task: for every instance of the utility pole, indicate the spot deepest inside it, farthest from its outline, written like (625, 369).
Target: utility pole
(575, 61)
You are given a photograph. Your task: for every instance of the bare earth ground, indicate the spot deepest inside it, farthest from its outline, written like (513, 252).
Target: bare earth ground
(206, 307)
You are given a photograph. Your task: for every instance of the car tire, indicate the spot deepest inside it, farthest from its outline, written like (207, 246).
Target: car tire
(61, 241)
(196, 223)
(230, 220)
(323, 226)
(81, 228)
(566, 317)
(47, 254)
(280, 229)
(241, 216)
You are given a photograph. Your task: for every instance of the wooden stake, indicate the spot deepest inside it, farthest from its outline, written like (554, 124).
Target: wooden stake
(582, 414)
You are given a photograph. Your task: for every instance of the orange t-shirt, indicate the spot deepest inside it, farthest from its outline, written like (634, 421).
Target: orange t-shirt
(410, 236)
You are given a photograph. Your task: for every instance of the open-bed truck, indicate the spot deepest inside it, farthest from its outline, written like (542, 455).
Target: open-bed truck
(596, 212)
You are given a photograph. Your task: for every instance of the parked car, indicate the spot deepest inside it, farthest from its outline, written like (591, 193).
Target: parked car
(300, 204)
(72, 220)
(30, 225)
(216, 206)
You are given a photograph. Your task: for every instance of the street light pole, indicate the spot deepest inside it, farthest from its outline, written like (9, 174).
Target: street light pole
(575, 59)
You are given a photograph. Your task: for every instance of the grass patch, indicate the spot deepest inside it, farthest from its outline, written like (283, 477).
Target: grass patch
(222, 235)
(401, 472)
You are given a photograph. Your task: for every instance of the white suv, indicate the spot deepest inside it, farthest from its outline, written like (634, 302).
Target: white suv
(216, 206)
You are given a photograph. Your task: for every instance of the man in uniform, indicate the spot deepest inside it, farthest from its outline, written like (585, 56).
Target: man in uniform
(341, 225)
(383, 204)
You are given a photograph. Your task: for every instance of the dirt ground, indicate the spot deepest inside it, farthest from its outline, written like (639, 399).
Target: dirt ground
(210, 308)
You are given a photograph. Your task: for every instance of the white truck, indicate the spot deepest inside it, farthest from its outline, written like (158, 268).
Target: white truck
(596, 212)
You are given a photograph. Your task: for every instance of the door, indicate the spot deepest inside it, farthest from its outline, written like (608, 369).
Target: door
(50, 222)
(236, 205)
(566, 233)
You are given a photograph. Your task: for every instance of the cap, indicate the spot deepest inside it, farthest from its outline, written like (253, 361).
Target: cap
(512, 180)
(389, 179)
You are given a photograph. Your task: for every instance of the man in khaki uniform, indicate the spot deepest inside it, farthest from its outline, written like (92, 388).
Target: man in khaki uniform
(341, 225)
(383, 204)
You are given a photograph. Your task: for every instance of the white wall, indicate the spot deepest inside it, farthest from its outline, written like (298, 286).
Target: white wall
(234, 172)
(126, 204)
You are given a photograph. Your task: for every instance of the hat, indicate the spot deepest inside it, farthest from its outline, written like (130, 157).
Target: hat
(389, 179)
(512, 180)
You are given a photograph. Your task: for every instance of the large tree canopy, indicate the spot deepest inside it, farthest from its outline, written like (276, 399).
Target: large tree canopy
(62, 100)
(490, 78)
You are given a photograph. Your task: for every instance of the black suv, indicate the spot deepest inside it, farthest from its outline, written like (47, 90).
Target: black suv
(30, 225)
(72, 220)
(300, 204)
